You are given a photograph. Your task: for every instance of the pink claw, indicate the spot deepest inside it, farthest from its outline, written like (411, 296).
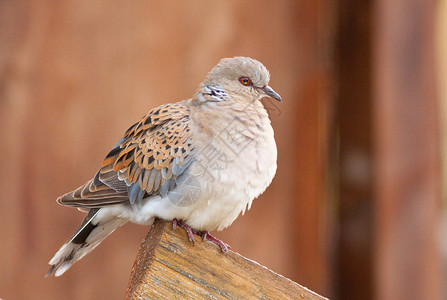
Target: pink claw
(185, 226)
(207, 236)
(174, 224)
(204, 234)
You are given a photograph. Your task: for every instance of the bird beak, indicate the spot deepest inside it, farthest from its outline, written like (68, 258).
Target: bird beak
(270, 92)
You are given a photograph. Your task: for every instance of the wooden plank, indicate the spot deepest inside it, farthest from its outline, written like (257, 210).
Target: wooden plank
(303, 172)
(169, 267)
(408, 179)
(353, 139)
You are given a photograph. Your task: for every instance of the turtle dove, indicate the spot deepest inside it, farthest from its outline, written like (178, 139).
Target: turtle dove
(198, 163)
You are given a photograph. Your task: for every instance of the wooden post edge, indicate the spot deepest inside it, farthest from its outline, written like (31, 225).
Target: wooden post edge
(168, 266)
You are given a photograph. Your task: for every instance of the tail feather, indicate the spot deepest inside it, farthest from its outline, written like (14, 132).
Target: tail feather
(89, 235)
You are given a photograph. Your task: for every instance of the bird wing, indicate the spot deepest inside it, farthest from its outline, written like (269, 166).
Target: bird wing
(153, 153)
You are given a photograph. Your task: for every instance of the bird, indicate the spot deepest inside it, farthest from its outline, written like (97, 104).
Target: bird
(197, 163)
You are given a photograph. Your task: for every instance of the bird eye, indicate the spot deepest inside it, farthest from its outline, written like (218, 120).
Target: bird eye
(245, 81)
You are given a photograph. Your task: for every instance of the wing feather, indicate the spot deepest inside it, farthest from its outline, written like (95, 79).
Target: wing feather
(146, 161)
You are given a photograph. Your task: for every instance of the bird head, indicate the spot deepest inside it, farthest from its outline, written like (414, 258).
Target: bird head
(239, 78)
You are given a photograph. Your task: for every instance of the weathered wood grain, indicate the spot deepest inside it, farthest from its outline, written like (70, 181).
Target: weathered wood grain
(169, 267)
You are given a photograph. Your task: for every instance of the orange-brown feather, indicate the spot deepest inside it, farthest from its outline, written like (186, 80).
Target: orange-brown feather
(144, 156)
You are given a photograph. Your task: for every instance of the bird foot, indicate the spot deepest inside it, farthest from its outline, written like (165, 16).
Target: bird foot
(204, 234)
(207, 236)
(185, 226)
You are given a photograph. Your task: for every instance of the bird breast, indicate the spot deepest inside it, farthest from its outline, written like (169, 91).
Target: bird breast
(235, 161)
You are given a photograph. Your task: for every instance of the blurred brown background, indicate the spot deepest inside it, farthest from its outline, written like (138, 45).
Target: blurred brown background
(355, 209)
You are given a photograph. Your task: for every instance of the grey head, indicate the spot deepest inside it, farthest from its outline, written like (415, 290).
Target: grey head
(241, 78)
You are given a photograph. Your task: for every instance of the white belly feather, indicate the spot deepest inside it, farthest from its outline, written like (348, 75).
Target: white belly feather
(222, 183)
